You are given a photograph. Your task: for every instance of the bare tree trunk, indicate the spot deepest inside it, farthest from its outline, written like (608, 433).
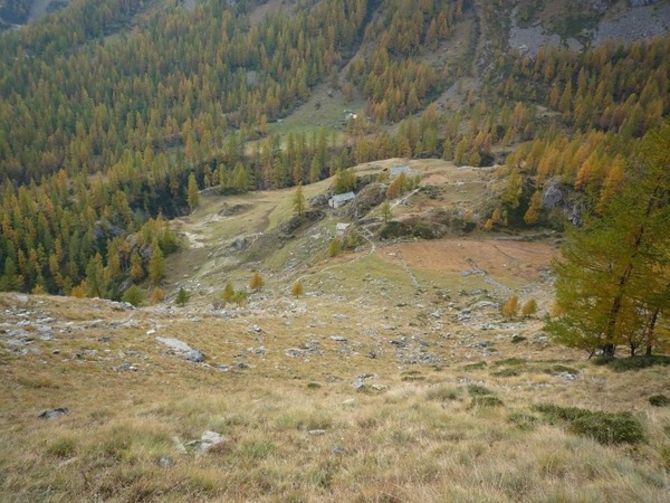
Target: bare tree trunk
(608, 350)
(650, 331)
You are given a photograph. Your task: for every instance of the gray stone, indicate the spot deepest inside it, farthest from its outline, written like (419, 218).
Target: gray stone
(53, 413)
(182, 349)
(125, 367)
(317, 432)
(209, 440)
(338, 451)
(338, 338)
(358, 384)
(294, 352)
(195, 356)
(165, 462)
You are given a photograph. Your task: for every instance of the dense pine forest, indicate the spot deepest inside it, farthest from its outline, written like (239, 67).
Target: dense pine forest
(110, 108)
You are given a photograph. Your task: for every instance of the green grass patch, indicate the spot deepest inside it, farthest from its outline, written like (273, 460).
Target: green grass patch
(509, 372)
(525, 422)
(486, 401)
(477, 390)
(633, 363)
(304, 420)
(605, 427)
(511, 361)
(64, 446)
(256, 449)
(475, 366)
(443, 393)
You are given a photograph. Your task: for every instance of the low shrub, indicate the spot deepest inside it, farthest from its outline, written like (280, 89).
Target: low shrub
(632, 363)
(442, 393)
(523, 421)
(604, 427)
(659, 400)
(475, 366)
(477, 390)
(63, 447)
(511, 361)
(486, 401)
(508, 372)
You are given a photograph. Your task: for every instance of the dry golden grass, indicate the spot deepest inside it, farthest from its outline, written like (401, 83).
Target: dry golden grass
(422, 437)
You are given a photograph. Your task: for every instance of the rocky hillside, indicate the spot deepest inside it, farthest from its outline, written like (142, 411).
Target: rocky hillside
(394, 376)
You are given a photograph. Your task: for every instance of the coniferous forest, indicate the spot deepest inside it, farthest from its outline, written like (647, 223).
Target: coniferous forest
(368, 251)
(115, 112)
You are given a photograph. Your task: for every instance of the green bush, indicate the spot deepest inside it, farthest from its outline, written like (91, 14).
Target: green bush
(605, 427)
(334, 248)
(63, 447)
(182, 297)
(477, 390)
(134, 295)
(659, 400)
(633, 363)
(442, 393)
(475, 366)
(256, 449)
(486, 401)
(509, 372)
(511, 361)
(523, 421)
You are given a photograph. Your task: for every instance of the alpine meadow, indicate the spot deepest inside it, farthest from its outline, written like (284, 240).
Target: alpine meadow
(335, 250)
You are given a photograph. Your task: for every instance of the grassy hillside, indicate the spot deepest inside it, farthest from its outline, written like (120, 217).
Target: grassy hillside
(393, 379)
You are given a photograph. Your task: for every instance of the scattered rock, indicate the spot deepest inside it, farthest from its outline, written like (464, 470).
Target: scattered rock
(54, 413)
(195, 356)
(338, 450)
(359, 384)
(125, 367)
(338, 338)
(165, 462)
(209, 440)
(566, 376)
(316, 432)
(294, 352)
(367, 199)
(182, 349)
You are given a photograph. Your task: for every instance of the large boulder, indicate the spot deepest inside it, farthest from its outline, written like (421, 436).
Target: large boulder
(319, 201)
(370, 197)
(182, 349)
(297, 221)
